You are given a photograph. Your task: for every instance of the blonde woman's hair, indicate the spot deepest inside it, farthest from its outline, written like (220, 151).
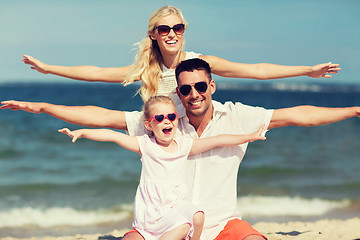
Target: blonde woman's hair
(147, 66)
(151, 101)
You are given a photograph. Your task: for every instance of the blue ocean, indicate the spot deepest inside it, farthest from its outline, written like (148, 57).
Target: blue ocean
(50, 186)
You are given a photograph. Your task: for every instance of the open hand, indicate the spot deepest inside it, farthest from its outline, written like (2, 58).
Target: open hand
(259, 134)
(25, 106)
(323, 70)
(35, 64)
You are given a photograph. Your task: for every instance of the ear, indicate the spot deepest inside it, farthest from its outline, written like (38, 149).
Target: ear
(177, 92)
(212, 86)
(148, 126)
(152, 37)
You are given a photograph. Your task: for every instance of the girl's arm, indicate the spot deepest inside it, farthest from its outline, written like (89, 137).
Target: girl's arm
(203, 144)
(104, 135)
(85, 73)
(265, 71)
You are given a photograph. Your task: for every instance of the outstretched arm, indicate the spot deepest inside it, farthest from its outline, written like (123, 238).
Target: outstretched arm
(89, 116)
(203, 144)
(85, 73)
(104, 135)
(265, 71)
(309, 116)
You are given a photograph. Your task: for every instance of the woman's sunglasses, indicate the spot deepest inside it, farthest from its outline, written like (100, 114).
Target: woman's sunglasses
(161, 117)
(201, 87)
(164, 30)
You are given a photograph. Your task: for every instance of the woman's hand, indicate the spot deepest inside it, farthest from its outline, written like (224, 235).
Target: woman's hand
(323, 70)
(35, 64)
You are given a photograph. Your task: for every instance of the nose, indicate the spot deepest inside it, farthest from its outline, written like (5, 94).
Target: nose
(193, 93)
(167, 121)
(172, 33)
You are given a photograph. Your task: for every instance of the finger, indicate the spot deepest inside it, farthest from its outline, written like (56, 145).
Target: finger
(263, 127)
(74, 139)
(62, 130)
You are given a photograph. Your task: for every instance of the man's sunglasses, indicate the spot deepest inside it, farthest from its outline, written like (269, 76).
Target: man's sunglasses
(201, 87)
(161, 117)
(164, 30)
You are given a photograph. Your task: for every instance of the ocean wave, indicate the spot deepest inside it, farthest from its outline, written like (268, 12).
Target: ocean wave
(62, 216)
(288, 206)
(249, 206)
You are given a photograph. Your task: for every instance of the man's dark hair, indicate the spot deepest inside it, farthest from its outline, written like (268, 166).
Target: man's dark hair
(193, 64)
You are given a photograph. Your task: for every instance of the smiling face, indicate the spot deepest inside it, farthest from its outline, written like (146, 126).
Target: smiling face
(171, 43)
(164, 131)
(197, 104)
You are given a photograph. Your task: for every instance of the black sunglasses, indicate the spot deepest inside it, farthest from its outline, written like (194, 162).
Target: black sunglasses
(164, 30)
(161, 117)
(201, 87)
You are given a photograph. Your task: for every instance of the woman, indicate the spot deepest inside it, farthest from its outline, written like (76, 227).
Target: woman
(162, 50)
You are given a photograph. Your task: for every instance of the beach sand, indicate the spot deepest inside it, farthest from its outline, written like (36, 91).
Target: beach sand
(320, 230)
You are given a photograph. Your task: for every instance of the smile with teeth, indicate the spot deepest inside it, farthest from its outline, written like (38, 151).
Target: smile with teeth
(171, 42)
(197, 103)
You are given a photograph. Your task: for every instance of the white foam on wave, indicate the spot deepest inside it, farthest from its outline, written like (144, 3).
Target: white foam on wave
(61, 216)
(287, 206)
(248, 206)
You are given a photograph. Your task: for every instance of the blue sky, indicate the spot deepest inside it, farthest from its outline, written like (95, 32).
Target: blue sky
(102, 33)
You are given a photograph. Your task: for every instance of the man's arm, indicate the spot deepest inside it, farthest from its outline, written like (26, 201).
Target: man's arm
(88, 116)
(309, 116)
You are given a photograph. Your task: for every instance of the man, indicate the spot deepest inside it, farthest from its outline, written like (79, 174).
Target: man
(211, 175)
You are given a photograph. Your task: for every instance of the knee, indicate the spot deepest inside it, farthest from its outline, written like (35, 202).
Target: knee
(185, 228)
(198, 219)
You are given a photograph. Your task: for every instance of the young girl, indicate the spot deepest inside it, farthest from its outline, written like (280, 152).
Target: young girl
(162, 50)
(160, 209)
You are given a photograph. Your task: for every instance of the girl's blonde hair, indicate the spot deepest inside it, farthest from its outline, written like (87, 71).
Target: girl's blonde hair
(147, 66)
(151, 101)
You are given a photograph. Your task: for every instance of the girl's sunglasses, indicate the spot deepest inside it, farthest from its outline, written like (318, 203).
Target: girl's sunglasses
(164, 30)
(161, 117)
(201, 87)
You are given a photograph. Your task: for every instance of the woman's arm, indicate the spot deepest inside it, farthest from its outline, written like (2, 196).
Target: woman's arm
(309, 116)
(85, 73)
(89, 116)
(203, 144)
(265, 71)
(104, 135)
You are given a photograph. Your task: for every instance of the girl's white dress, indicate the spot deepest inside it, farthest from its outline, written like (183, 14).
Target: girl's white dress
(160, 203)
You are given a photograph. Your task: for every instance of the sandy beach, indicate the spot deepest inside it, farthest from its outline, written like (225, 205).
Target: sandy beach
(326, 229)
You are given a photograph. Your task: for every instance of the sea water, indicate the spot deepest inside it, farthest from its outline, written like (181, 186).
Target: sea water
(50, 186)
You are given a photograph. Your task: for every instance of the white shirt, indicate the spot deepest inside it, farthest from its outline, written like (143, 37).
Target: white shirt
(212, 176)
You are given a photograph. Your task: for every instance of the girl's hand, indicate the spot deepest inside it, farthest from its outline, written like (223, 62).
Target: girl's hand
(258, 135)
(73, 134)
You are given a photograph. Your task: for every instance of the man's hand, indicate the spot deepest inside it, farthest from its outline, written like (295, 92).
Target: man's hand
(25, 106)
